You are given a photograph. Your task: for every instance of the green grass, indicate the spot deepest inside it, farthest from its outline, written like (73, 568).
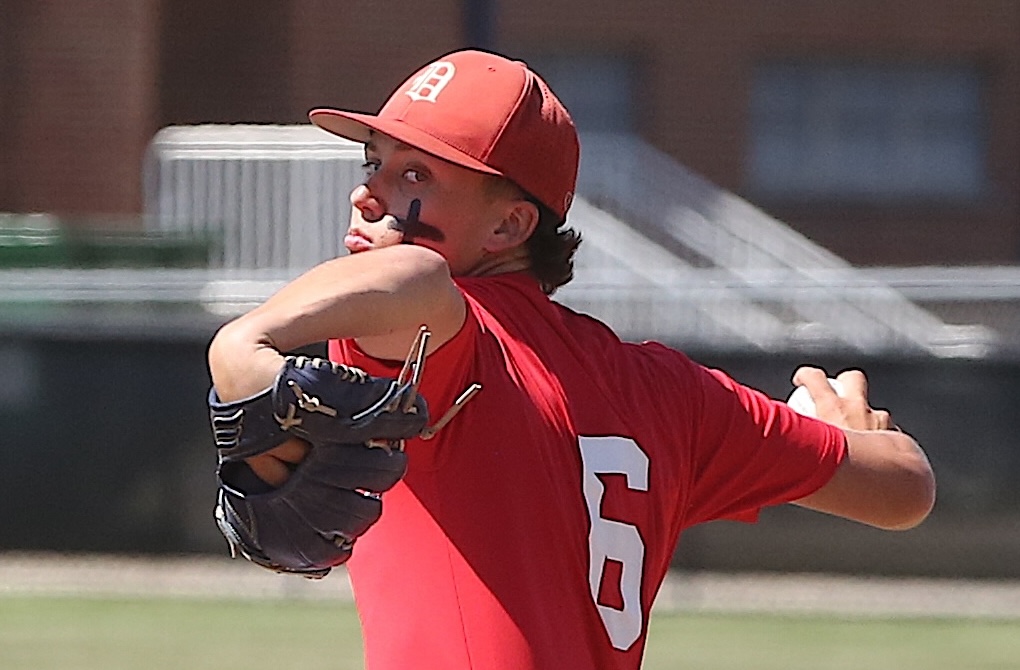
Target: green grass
(160, 634)
(816, 643)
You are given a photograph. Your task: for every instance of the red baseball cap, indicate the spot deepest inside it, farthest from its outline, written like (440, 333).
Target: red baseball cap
(481, 111)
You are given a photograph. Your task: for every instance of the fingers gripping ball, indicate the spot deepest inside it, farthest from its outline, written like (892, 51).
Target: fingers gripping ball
(308, 525)
(801, 401)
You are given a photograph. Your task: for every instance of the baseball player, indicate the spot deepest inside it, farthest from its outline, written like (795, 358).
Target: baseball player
(534, 528)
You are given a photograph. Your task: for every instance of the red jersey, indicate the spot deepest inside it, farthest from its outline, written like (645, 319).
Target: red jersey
(535, 529)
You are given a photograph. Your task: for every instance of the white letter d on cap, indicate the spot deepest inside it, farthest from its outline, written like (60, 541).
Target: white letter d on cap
(431, 81)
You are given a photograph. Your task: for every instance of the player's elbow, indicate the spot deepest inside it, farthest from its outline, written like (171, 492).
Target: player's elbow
(229, 339)
(884, 481)
(241, 362)
(908, 488)
(916, 494)
(924, 492)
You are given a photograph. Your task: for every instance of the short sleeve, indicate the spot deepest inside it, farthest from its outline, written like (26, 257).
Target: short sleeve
(751, 451)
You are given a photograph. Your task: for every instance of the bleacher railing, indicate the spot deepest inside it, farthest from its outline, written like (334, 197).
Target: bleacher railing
(667, 255)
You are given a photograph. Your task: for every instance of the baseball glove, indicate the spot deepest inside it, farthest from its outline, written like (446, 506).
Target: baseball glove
(309, 525)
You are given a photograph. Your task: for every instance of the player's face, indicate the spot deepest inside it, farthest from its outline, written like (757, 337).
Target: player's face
(454, 211)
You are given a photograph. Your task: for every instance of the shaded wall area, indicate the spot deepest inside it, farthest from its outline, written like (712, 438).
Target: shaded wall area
(963, 412)
(87, 84)
(105, 447)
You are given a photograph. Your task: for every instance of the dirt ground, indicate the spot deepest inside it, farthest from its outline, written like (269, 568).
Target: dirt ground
(221, 577)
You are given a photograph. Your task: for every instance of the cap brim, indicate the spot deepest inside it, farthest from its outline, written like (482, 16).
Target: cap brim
(359, 127)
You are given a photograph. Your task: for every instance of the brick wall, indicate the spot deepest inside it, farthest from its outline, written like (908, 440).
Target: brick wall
(353, 54)
(79, 103)
(696, 59)
(85, 85)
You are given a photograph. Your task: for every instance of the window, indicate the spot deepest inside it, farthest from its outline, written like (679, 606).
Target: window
(597, 89)
(867, 132)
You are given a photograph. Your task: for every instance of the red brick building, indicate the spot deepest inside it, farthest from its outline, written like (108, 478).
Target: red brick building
(887, 131)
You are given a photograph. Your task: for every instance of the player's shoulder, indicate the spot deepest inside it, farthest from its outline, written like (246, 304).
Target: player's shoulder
(635, 360)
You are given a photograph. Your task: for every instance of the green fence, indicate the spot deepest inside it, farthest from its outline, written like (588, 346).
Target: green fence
(33, 241)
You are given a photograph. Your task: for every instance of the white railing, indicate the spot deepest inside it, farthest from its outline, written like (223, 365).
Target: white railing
(744, 244)
(272, 196)
(667, 254)
(699, 306)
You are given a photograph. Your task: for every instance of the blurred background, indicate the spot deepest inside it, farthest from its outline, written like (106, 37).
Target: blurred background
(763, 184)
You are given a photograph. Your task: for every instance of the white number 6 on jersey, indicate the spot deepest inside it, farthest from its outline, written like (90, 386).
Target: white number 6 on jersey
(611, 539)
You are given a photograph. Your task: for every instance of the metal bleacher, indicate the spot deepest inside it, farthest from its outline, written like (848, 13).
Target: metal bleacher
(275, 195)
(667, 255)
(755, 278)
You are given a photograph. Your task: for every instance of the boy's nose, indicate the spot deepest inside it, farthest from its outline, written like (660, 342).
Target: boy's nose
(371, 208)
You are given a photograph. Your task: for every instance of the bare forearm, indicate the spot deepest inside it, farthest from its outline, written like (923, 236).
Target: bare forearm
(383, 295)
(884, 481)
(365, 295)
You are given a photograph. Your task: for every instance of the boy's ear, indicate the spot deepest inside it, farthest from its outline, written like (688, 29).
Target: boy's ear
(518, 223)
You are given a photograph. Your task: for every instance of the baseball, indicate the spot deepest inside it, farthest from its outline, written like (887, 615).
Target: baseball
(800, 400)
